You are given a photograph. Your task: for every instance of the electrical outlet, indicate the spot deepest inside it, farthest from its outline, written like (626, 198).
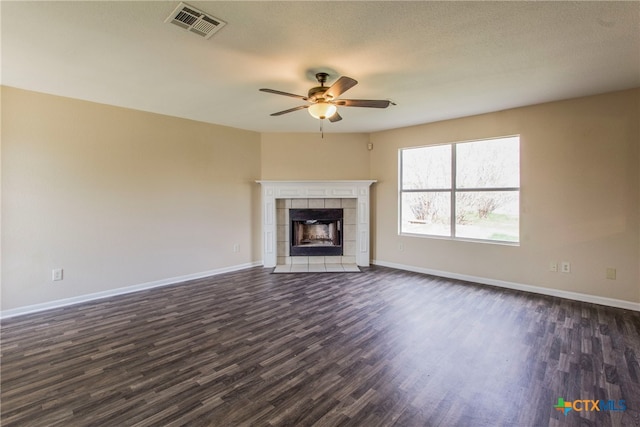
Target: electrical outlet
(566, 267)
(553, 266)
(56, 274)
(236, 247)
(401, 247)
(611, 273)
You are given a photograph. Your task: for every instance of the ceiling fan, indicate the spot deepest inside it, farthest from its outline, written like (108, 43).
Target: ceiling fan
(324, 100)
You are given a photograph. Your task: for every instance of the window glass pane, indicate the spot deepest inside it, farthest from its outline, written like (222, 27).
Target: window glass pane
(426, 168)
(488, 164)
(426, 213)
(488, 215)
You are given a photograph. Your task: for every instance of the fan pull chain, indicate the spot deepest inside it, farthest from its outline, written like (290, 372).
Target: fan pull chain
(321, 131)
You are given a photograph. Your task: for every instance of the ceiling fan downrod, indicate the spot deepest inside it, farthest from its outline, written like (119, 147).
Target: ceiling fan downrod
(322, 78)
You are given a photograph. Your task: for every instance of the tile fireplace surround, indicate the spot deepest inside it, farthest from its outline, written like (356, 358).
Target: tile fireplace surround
(279, 196)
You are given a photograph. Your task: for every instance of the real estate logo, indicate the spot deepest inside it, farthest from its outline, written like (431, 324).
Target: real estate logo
(589, 405)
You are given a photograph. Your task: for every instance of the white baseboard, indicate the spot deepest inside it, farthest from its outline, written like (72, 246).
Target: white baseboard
(121, 291)
(628, 305)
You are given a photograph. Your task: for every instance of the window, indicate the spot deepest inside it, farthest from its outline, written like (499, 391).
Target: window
(465, 190)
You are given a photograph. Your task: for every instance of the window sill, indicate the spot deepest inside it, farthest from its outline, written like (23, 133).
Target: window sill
(460, 239)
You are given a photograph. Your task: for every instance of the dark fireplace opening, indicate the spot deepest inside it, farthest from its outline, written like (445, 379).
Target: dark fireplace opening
(315, 232)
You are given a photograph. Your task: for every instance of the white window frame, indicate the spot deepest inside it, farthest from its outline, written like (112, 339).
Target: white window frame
(452, 192)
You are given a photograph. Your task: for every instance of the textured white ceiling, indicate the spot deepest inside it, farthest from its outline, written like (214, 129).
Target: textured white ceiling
(436, 60)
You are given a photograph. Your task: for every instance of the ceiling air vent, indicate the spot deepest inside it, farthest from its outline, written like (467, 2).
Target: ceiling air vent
(194, 20)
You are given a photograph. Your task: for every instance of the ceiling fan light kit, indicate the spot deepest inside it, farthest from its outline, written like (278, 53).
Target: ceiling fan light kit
(324, 100)
(322, 110)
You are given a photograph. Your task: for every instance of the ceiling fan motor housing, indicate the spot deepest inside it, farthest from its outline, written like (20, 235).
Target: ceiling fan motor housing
(315, 93)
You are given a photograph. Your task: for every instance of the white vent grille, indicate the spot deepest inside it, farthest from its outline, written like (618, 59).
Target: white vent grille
(196, 21)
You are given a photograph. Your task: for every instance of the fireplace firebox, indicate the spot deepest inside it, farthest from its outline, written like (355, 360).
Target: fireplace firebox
(316, 232)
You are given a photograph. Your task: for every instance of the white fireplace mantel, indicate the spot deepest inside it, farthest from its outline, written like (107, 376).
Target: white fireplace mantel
(354, 189)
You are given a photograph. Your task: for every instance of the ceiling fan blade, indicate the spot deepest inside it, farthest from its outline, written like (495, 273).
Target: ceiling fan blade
(290, 110)
(335, 118)
(278, 92)
(371, 103)
(340, 86)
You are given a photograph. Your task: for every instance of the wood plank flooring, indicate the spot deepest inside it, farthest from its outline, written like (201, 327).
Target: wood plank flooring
(380, 348)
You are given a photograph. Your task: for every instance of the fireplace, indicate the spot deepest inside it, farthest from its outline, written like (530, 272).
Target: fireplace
(352, 196)
(316, 232)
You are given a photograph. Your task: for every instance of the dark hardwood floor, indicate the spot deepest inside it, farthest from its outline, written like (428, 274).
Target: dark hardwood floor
(379, 348)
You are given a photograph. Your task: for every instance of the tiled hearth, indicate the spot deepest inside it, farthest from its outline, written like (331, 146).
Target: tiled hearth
(280, 196)
(317, 268)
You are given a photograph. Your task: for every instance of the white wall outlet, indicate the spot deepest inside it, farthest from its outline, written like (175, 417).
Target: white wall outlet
(56, 274)
(401, 247)
(553, 266)
(611, 273)
(236, 247)
(566, 267)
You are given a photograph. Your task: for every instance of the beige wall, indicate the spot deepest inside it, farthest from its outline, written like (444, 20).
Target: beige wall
(308, 156)
(580, 195)
(119, 197)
